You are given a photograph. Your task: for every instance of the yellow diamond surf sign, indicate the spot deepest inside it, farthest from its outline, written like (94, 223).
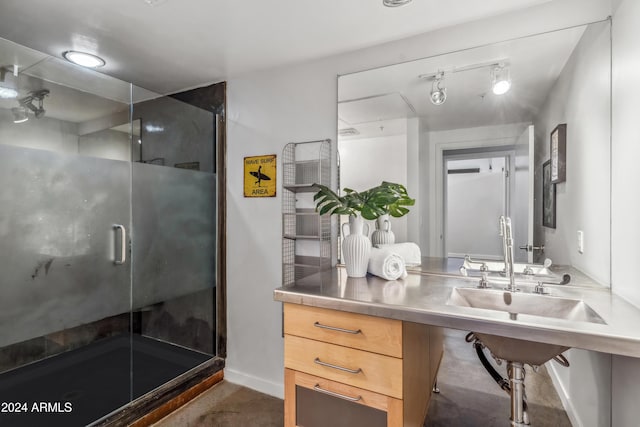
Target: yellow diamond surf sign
(260, 176)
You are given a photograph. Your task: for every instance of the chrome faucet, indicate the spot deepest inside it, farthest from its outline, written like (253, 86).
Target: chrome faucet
(507, 246)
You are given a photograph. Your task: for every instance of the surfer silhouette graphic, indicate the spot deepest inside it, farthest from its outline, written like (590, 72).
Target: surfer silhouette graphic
(260, 176)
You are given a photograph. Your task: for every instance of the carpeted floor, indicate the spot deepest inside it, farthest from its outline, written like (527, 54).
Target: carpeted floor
(468, 398)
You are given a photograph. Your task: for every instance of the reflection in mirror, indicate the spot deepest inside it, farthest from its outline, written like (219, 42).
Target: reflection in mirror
(121, 142)
(468, 133)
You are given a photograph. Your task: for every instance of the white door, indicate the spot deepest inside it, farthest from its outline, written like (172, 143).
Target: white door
(476, 194)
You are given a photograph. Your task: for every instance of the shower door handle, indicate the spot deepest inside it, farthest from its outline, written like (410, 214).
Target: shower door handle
(123, 246)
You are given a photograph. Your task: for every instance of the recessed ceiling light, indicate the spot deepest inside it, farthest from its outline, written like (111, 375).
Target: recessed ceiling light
(84, 59)
(7, 92)
(395, 3)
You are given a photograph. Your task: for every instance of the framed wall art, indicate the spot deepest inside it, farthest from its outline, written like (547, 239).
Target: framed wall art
(558, 154)
(548, 197)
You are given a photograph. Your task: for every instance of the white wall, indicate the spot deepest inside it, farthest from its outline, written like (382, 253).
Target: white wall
(580, 98)
(414, 130)
(584, 387)
(423, 178)
(365, 163)
(522, 201)
(625, 209)
(269, 108)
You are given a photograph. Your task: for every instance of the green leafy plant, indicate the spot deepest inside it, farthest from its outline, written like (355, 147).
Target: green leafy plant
(386, 198)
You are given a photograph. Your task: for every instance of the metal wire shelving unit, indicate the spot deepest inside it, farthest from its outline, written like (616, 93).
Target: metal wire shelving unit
(306, 236)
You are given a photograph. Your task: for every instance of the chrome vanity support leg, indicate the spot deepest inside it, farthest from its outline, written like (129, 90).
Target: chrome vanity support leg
(516, 380)
(435, 388)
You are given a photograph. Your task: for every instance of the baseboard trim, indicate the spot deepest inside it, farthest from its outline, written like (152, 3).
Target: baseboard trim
(564, 395)
(259, 384)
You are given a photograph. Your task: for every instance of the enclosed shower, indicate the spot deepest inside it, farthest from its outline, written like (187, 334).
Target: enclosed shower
(108, 240)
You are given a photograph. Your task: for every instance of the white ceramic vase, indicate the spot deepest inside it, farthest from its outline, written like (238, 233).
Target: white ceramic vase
(383, 233)
(356, 246)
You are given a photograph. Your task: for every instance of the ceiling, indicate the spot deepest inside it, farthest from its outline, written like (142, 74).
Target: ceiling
(170, 45)
(535, 63)
(76, 95)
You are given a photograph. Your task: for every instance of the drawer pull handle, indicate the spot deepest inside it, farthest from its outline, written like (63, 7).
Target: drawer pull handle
(333, 328)
(334, 394)
(340, 368)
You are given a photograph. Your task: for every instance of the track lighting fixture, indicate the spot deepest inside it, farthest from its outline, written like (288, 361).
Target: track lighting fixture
(499, 74)
(438, 93)
(500, 79)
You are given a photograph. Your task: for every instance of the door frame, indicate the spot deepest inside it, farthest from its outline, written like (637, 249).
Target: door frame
(436, 183)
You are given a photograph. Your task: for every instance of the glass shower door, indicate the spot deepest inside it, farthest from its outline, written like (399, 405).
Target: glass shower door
(65, 216)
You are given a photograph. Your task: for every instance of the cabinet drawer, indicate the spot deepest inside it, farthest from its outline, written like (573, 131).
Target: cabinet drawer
(314, 401)
(370, 371)
(359, 331)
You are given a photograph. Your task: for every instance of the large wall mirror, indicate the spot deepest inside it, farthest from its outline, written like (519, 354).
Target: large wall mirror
(518, 128)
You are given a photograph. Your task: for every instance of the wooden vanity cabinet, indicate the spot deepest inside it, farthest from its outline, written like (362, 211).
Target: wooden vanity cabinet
(348, 369)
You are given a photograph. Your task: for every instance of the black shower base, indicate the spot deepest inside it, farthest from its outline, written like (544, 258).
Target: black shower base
(83, 385)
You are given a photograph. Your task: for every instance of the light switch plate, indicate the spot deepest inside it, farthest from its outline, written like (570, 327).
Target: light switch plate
(581, 241)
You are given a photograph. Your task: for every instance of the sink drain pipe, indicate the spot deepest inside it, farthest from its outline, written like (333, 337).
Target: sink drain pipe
(519, 415)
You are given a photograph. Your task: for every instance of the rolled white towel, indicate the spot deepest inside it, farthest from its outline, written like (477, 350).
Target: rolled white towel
(386, 264)
(409, 251)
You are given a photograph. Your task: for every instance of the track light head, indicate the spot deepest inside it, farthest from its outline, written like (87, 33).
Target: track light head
(500, 79)
(438, 93)
(27, 102)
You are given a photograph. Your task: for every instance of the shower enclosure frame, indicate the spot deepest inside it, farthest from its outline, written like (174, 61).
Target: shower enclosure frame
(78, 331)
